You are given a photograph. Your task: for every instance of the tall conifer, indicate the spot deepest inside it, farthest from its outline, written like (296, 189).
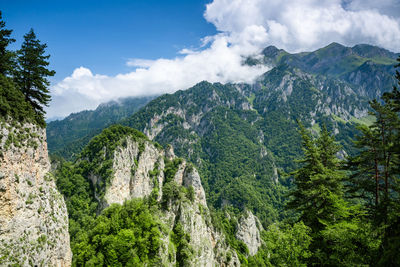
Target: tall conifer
(31, 74)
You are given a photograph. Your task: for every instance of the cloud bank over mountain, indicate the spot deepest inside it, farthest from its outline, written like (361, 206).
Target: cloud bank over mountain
(307, 25)
(245, 27)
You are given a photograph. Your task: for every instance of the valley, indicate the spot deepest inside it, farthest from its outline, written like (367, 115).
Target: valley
(298, 166)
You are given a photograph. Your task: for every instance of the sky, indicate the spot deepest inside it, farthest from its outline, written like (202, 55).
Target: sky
(104, 50)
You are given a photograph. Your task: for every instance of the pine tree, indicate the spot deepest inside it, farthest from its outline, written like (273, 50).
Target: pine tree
(31, 74)
(376, 172)
(318, 192)
(390, 247)
(6, 56)
(365, 178)
(375, 168)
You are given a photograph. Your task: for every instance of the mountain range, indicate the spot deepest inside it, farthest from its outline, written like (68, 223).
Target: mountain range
(243, 137)
(200, 177)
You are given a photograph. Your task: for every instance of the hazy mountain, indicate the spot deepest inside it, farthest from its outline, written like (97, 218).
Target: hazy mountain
(69, 135)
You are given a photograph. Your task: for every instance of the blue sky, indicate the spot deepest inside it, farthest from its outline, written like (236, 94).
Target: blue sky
(103, 35)
(105, 50)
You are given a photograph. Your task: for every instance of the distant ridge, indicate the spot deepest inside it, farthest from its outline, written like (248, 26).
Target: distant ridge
(73, 132)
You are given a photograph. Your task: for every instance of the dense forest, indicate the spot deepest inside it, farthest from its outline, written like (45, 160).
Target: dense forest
(322, 209)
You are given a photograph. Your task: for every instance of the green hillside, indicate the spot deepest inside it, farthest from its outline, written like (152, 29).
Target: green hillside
(68, 136)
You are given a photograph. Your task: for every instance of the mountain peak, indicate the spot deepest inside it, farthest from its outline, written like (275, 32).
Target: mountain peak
(334, 45)
(272, 51)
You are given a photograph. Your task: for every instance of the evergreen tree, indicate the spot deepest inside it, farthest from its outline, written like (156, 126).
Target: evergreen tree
(318, 189)
(376, 172)
(6, 56)
(365, 178)
(318, 192)
(31, 74)
(375, 168)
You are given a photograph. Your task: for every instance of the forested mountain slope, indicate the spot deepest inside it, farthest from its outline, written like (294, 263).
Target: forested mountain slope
(242, 136)
(147, 205)
(369, 67)
(68, 136)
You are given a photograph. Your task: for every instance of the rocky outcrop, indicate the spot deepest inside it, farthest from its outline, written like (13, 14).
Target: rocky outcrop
(139, 169)
(208, 247)
(132, 171)
(33, 215)
(248, 231)
(192, 178)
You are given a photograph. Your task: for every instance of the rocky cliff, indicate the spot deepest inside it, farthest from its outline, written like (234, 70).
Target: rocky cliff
(141, 169)
(33, 215)
(248, 231)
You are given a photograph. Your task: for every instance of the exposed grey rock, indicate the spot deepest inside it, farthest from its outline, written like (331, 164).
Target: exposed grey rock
(33, 215)
(248, 231)
(169, 152)
(133, 172)
(192, 178)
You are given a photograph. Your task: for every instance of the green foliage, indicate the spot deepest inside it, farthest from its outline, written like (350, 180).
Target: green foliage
(22, 99)
(171, 167)
(13, 104)
(318, 192)
(339, 231)
(226, 222)
(69, 136)
(375, 172)
(234, 170)
(190, 193)
(96, 158)
(122, 235)
(350, 242)
(285, 245)
(79, 197)
(31, 72)
(181, 240)
(173, 192)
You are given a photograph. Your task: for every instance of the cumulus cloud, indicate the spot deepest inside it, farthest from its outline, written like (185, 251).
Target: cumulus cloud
(310, 24)
(221, 61)
(245, 27)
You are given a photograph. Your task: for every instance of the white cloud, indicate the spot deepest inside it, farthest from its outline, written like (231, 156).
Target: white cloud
(221, 62)
(310, 24)
(245, 26)
(140, 63)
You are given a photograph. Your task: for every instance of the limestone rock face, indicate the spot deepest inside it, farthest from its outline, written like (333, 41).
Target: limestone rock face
(248, 231)
(138, 168)
(132, 166)
(208, 246)
(33, 215)
(192, 178)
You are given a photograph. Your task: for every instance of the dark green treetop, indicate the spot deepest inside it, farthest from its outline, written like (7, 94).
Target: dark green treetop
(6, 56)
(32, 72)
(318, 192)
